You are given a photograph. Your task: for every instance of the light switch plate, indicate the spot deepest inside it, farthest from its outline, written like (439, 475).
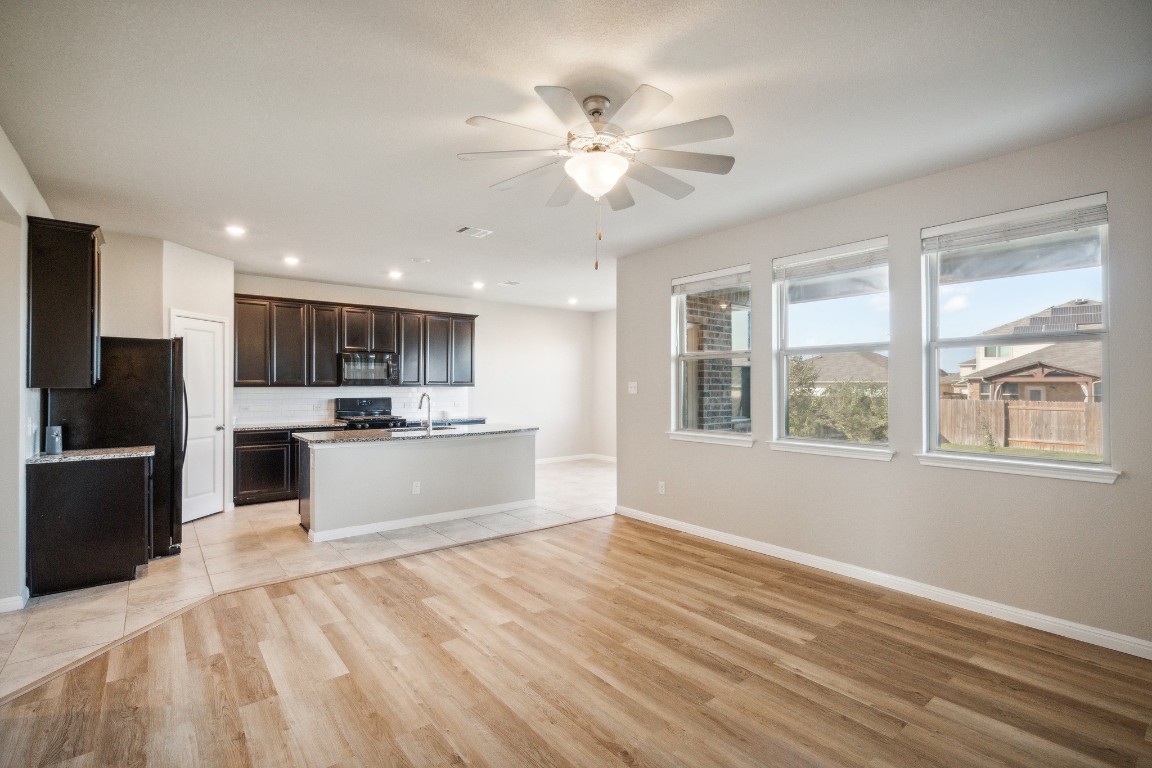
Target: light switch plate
(631, 387)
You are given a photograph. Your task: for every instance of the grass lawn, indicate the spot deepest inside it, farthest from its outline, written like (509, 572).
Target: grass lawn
(1023, 452)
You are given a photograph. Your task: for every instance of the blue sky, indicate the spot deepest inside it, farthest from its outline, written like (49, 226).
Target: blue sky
(966, 309)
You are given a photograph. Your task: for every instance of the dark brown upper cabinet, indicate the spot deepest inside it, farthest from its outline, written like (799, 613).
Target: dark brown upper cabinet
(289, 343)
(323, 345)
(411, 350)
(384, 323)
(463, 336)
(437, 349)
(252, 323)
(355, 329)
(63, 303)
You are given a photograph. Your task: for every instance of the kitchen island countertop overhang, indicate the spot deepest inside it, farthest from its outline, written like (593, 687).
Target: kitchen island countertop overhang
(369, 481)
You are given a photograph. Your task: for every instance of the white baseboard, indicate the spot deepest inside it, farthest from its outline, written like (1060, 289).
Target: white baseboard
(1104, 638)
(439, 517)
(14, 603)
(560, 459)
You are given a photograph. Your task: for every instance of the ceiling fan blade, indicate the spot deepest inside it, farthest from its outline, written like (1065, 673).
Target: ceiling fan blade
(659, 181)
(564, 192)
(686, 161)
(506, 154)
(643, 105)
(526, 176)
(706, 129)
(561, 101)
(480, 122)
(619, 197)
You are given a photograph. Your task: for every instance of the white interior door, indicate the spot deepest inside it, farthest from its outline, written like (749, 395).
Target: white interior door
(204, 384)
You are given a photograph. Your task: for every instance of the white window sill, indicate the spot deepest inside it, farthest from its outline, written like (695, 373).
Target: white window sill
(1060, 471)
(831, 449)
(739, 440)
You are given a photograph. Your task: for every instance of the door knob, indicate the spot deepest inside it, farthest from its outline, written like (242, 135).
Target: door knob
(219, 427)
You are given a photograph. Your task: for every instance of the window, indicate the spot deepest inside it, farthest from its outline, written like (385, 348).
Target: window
(832, 346)
(712, 316)
(1026, 290)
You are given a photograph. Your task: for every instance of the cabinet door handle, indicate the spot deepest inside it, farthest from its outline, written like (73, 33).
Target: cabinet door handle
(219, 427)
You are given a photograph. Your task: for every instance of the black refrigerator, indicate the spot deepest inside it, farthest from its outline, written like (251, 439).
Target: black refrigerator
(139, 400)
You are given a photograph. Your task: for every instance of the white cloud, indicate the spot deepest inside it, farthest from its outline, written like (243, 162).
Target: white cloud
(955, 304)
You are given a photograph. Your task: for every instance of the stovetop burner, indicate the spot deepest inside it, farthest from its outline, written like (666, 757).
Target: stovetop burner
(368, 413)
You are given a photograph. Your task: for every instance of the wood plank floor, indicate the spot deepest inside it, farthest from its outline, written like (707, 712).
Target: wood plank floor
(601, 643)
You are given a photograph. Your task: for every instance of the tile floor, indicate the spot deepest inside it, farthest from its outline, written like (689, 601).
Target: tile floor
(258, 544)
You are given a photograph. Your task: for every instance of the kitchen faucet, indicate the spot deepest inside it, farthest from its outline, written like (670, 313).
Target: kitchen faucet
(427, 423)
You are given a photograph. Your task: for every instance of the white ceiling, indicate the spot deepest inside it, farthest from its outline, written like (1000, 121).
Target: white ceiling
(331, 130)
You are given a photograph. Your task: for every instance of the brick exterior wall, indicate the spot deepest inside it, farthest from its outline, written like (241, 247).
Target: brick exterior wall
(711, 316)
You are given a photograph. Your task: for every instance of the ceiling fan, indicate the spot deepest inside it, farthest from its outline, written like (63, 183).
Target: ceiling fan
(601, 148)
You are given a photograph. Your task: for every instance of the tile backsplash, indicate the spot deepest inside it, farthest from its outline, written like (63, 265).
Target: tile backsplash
(287, 405)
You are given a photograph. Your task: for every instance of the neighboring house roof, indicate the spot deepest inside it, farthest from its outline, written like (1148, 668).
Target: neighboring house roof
(851, 366)
(1075, 315)
(1081, 357)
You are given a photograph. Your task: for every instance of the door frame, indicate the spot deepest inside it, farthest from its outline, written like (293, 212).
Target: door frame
(226, 372)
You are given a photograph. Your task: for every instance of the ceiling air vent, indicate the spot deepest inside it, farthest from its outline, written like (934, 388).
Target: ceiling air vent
(510, 283)
(474, 232)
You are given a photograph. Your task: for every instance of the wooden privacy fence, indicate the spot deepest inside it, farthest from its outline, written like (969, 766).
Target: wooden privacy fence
(1072, 427)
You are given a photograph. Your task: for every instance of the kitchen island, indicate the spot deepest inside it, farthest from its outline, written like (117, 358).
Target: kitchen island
(371, 480)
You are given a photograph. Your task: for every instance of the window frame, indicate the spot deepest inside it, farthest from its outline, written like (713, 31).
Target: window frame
(932, 455)
(680, 356)
(780, 440)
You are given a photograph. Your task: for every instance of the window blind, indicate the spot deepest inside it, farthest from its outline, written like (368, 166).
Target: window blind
(839, 274)
(1024, 227)
(714, 283)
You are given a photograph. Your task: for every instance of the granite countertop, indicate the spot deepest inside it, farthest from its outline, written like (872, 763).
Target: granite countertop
(94, 454)
(411, 433)
(328, 424)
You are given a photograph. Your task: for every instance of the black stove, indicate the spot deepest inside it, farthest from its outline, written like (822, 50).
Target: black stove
(368, 413)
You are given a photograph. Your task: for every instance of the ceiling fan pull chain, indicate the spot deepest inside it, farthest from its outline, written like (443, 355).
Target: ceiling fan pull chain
(599, 232)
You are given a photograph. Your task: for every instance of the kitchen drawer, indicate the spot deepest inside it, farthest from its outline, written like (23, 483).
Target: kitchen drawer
(271, 437)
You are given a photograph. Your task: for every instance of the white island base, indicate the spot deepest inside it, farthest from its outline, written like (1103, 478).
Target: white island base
(353, 483)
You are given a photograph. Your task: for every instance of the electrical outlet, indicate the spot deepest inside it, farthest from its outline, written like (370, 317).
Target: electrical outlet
(319, 407)
(660, 487)
(415, 486)
(631, 387)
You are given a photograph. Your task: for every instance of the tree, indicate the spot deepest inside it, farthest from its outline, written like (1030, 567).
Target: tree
(803, 400)
(854, 410)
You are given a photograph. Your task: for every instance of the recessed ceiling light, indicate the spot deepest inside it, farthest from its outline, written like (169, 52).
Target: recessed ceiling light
(477, 285)
(395, 274)
(236, 230)
(573, 300)
(291, 260)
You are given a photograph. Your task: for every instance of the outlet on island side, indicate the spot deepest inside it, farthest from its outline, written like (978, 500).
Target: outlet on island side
(415, 486)
(660, 487)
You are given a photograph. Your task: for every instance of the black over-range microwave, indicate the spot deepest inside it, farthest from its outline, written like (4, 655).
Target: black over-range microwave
(369, 369)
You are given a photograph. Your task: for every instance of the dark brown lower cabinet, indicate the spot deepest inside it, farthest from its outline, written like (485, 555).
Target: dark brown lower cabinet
(264, 465)
(89, 522)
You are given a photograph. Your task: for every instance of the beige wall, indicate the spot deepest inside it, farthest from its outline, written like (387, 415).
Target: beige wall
(198, 282)
(132, 286)
(18, 198)
(1077, 551)
(604, 383)
(532, 364)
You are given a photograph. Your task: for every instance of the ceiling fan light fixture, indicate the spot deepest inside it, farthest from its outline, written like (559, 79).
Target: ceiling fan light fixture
(596, 172)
